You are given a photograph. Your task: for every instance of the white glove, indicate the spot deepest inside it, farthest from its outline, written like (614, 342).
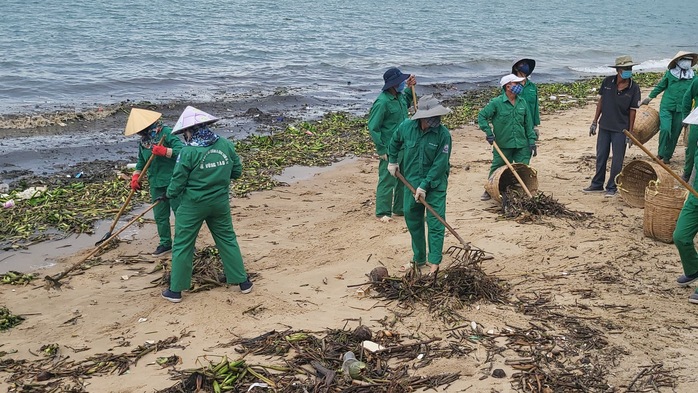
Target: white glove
(420, 193)
(392, 168)
(383, 157)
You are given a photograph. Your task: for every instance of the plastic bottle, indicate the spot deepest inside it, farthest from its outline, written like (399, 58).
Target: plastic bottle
(351, 366)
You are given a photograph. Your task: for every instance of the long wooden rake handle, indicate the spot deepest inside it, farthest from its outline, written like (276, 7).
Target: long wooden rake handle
(511, 168)
(99, 247)
(432, 211)
(658, 161)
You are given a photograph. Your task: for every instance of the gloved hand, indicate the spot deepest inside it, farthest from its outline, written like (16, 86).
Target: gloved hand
(161, 198)
(383, 157)
(646, 101)
(392, 168)
(420, 193)
(534, 150)
(160, 150)
(592, 129)
(135, 185)
(628, 141)
(411, 81)
(535, 129)
(490, 139)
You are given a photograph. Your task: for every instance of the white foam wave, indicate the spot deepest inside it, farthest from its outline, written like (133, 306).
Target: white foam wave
(648, 65)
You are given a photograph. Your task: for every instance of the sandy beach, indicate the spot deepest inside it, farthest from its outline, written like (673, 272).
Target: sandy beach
(309, 241)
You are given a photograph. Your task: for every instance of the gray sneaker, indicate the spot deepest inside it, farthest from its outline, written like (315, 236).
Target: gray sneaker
(684, 280)
(591, 189)
(693, 298)
(610, 193)
(485, 197)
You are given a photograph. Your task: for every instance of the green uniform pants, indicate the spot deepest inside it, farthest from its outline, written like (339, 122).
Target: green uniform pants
(691, 150)
(521, 154)
(161, 213)
(389, 191)
(414, 217)
(686, 229)
(187, 226)
(669, 131)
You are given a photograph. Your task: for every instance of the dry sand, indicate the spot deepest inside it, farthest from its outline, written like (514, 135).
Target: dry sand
(310, 240)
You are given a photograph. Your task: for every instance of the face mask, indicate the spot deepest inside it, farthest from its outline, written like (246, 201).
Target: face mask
(517, 89)
(434, 121)
(684, 64)
(626, 74)
(401, 87)
(524, 68)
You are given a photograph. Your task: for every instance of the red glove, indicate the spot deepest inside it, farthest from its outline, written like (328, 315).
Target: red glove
(135, 185)
(160, 150)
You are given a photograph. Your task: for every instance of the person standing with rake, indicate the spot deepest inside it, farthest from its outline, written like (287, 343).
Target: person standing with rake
(149, 127)
(425, 165)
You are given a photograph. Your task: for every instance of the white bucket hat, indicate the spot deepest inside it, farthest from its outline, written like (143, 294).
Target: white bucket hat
(139, 120)
(192, 117)
(430, 107)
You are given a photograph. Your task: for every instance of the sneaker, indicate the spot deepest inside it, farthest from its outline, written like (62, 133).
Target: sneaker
(398, 214)
(591, 189)
(485, 197)
(610, 193)
(684, 280)
(693, 298)
(161, 250)
(246, 287)
(174, 297)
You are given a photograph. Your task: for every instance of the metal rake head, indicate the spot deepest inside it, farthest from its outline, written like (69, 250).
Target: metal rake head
(468, 256)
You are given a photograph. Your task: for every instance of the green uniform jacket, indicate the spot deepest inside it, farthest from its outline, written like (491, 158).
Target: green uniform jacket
(674, 90)
(425, 162)
(160, 169)
(387, 113)
(203, 174)
(688, 97)
(530, 94)
(513, 124)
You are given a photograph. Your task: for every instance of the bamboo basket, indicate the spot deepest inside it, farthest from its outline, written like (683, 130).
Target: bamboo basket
(503, 178)
(662, 209)
(646, 123)
(636, 176)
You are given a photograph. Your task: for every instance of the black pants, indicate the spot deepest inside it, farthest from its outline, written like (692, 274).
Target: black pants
(605, 141)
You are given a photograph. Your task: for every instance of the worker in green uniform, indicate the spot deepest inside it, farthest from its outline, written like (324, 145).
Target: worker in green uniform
(149, 127)
(425, 165)
(684, 233)
(674, 84)
(512, 125)
(201, 180)
(688, 102)
(388, 111)
(523, 69)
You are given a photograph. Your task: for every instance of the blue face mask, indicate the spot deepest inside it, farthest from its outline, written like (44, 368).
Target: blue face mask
(517, 89)
(626, 74)
(399, 88)
(524, 68)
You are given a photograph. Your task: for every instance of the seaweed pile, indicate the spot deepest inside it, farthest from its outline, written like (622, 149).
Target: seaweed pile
(311, 363)
(517, 205)
(445, 292)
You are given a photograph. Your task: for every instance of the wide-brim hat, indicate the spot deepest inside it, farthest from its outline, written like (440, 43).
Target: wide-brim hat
(623, 61)
(393, 77)
(531, 65)
(681, 55)
(192, 117)
(430, 107)
(139, 120)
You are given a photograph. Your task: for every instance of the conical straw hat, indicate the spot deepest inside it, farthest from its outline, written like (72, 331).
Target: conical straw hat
(139, 120)
(693, 56)
(192, 117)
